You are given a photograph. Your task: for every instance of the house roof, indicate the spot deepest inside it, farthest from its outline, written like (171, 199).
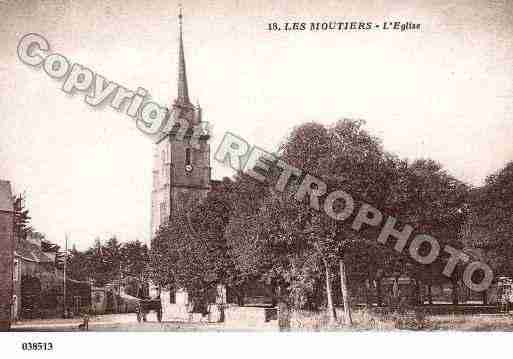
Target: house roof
(32, 252)
(6, 199)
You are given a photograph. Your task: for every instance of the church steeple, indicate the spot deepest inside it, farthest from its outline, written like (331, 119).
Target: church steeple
(183, 90)
(181, 165)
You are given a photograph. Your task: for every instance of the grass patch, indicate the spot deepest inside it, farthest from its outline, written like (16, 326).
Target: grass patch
(364, 319)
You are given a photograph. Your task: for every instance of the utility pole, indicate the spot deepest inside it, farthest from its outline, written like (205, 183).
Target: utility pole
(120, 277)
(345, 293)
(64, 276)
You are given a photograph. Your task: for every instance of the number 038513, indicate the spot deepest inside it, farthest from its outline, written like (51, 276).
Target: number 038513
(40, 346)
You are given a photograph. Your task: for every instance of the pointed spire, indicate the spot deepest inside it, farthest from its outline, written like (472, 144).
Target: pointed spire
(183, 91)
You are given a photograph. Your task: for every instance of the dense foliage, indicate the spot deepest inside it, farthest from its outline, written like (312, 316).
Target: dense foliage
(109, 261)
(247, 231)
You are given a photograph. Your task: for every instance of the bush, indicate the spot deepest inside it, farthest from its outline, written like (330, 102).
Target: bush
(367, 319)
(408, 316)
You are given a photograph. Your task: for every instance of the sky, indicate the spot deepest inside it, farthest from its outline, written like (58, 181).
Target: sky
(444, 92)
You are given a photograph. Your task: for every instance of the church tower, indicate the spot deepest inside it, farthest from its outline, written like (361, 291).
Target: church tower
(181, 166)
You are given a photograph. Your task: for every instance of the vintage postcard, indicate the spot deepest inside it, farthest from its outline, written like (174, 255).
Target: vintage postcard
(255, 166)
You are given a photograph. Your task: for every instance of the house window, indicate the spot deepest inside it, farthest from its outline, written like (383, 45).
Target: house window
(16, 270)
(187, 156)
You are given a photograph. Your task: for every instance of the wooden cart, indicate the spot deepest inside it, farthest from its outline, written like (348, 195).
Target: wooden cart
(145, 306)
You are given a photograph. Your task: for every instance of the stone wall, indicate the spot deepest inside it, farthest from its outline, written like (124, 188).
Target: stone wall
(176, 309)
(176, 306)
(248, 316)
(6, 267)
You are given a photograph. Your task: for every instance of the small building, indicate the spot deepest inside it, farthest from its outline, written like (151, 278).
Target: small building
(38, 284)
(98, 300)
(33, 272)
(6, 255)
(112, 299)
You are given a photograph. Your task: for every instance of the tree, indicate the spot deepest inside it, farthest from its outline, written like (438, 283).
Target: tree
(109, 261)
(291, 245)
(191, 252)
(433, 203)
(488, 229)
(492, 203)
(245, 253)
(134, 258)
(49, 247)
(344, 156)
(79, 266)
(22, 219)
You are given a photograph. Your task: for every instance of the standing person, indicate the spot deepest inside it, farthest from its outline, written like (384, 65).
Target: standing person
(283, 316)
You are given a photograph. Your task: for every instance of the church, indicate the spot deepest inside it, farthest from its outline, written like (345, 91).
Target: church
(181, 166)
(182, 178)
(181, 171)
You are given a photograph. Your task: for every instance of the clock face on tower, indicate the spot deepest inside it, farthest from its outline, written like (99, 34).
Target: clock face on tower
(188, 168)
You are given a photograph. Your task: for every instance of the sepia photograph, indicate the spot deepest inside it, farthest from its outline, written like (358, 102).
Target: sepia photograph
(331, 167)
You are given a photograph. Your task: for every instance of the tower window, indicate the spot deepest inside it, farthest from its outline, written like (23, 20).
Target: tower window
(163, 213)
(155, 180)
(16, 270)
(187, 156)
(166, 173)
